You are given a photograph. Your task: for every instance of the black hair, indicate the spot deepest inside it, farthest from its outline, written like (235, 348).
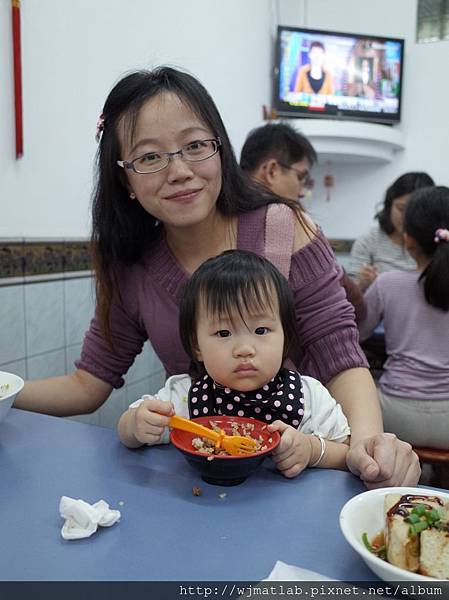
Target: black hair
(405, 184)
(427, 211)
(236, 281)
(275, 140)
(122, 230)
(317, 45)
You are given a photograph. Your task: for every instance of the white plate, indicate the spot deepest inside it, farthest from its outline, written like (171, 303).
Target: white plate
(8, 396)
(365, 513)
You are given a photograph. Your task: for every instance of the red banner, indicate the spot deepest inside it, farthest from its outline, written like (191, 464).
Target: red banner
(17, 76)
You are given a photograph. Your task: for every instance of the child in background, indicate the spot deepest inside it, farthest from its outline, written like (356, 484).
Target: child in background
(414, 386)
(237, 325)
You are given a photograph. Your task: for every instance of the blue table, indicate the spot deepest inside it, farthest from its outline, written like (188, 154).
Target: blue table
(166, 533)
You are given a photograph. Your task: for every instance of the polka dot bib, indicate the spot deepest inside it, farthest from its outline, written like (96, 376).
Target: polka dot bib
(281, 398)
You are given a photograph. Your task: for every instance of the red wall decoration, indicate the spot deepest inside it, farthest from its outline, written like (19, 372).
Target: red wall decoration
(17, 76)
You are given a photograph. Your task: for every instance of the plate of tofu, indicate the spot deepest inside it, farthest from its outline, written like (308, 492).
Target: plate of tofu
(402, 533)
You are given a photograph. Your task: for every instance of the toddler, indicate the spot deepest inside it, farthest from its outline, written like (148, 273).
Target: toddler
(237, 324)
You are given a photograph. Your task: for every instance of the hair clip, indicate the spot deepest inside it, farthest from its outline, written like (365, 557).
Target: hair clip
(100, 128)
(441, 235)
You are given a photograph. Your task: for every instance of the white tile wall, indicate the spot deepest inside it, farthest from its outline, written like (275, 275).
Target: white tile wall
(79, 304)
(44, 317)
(42, 326)
(12, 324)
(17, 367)
(48, 364)
(343, 260)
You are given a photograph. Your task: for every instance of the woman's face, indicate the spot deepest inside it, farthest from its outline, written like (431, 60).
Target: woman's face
(397, 212)
(316, 56)
(184, 193)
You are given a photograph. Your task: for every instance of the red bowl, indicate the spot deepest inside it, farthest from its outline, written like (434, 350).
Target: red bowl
(224, 469)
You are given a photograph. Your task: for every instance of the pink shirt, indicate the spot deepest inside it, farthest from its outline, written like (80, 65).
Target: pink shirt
(146, 306)
(416, 336)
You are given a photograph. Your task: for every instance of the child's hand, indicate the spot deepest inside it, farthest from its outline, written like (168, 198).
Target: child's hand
(150, 419)
(294, 452)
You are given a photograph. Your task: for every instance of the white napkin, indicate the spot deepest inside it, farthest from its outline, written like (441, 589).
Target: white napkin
(82, 519)
(284, 572)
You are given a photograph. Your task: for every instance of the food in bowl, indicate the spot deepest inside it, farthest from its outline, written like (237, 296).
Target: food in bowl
(10, 386)
(4, 389)
(224, 469)
(374, 524)
(206, 445)
(416, 534)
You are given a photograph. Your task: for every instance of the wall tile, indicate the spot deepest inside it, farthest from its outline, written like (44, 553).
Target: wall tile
(154, 362)
(113, 408)
(48, 364)
(72, 353)
(156, 381)
(44, 317)
(344, 260)
(136, 390)
(78, 308)
(12, 324)
(17, 367)
(146, 363)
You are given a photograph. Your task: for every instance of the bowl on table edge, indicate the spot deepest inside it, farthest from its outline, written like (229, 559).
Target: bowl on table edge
(365, 513)
(10, 386)
(223, 469)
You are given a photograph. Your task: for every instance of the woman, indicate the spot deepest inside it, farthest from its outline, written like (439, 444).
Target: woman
(169, 196)
(314, 78)
(382, 249)
(414, 305)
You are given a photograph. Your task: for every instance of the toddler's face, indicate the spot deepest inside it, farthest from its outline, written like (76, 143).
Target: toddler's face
(241, 354)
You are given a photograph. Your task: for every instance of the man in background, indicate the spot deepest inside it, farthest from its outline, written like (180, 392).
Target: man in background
(280, 158)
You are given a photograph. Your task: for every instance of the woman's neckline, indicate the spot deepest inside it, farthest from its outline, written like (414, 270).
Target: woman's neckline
(230, 241)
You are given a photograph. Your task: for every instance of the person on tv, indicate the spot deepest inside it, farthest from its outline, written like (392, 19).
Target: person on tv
(314, 78)
(365, 85)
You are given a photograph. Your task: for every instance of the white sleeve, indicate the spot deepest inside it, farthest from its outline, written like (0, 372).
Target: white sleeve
(322, 414)
(360, 255)
(175, 390)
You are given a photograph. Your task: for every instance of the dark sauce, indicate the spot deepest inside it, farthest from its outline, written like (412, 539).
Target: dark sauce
(409, 501)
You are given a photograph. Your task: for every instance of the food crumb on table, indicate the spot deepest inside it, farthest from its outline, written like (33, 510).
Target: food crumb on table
(196, 491)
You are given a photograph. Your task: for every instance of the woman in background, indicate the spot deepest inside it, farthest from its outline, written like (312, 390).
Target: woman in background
(169, 196)
(382, 249)
(414, 305)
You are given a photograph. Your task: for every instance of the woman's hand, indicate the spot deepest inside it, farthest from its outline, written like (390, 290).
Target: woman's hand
(366, 276)
(150, 420)
(294, 452)
(383, 461)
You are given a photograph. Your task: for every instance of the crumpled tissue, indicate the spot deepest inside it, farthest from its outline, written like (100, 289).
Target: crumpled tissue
(82, 519)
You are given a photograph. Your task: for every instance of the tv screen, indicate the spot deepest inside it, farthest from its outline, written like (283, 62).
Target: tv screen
(338, 75)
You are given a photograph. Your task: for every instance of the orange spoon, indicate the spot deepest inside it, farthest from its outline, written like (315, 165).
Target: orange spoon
(233, 444)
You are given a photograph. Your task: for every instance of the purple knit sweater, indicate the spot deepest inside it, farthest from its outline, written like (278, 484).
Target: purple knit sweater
(146, 306)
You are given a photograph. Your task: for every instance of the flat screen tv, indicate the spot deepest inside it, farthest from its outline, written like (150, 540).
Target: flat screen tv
(338, 75)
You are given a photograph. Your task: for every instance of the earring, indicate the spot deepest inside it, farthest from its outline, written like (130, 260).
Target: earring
(132, 195)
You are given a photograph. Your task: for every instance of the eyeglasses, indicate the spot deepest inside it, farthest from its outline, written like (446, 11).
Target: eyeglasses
(152, 162)
(303, 176)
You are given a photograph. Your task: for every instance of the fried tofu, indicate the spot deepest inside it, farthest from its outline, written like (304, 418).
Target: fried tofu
(402, 550)
(434, 555)
(405, 550)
